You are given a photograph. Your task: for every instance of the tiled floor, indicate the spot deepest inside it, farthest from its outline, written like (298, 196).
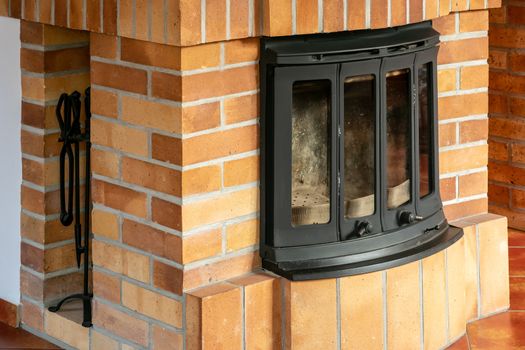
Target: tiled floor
(17, 338)
(506, 330)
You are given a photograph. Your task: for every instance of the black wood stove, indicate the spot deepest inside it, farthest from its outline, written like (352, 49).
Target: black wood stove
(349, 152)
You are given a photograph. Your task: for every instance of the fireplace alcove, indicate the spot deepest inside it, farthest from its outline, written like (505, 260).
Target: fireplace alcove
(349, 153)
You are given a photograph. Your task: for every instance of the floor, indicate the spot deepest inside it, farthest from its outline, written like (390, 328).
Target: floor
(506, 330)
(17, 338)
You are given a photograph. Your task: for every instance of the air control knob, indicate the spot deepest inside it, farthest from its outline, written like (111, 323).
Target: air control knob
(363, 228)
(407, 217)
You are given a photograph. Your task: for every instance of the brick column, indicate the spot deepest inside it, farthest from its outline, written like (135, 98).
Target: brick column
(53, 61)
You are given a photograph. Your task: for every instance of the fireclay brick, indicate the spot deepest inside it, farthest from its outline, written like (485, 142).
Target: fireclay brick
(32, 315)
(262, 300)
(105, 224)
(185, 15)
(214, 318)
(403, 307)
(416, 11)
(356, 14)
(167, 277)
(120, 137)
(119, 77)
(333, 21)
(150, 54)
(222, 270)
(120, 323)
(473, 130)
(463, 50)
(106, 286)
(93, 15)
(152, 240)
(120, 198)
(493, 252)
(239, 109)
(474, 21)
(277, 19)
(121, 261)
(4, 8)
(215, 20)
(220, 144)
(306, 16)
(212, 84)
(241, 171)
(104, 103)
(431, 9)
(310, 314)
(460, 210)
(435, 301)
(165, 339)
(201, 245)
(446, 80)
(238, 51)
(455, 267)
(463, 159)
(242, 235)
(473, 77)
(152, 176)
(239, 21)
(152, 304)
(362, 303)
(378, 14)
(472, 184)
(201, 180)
(141, 19)
(398, 12)
(447, 188)
(201, 56)
(66, 330)
(105, 163)
(219, 208)
(201, 117)
(101, 341)
(166, 149)
(166, 213)
(447, 134)
(166, 86)
(462, 105)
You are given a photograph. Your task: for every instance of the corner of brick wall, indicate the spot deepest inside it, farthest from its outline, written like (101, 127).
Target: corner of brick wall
(52, 61)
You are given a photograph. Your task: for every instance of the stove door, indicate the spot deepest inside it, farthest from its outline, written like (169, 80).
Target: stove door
(398, 142)
(360, 209)
(304, 150)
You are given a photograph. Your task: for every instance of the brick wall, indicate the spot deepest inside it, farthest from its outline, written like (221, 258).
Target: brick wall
(507, 101)
(52, 61)
(192, 22)
(463, 108)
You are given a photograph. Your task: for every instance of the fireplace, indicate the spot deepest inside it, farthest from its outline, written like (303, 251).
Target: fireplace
(349, 153)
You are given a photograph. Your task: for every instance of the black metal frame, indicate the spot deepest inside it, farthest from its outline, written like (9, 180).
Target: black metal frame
(395, 236)
(68, 115)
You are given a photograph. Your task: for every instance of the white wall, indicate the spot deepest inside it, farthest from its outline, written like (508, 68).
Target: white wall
(10, 160)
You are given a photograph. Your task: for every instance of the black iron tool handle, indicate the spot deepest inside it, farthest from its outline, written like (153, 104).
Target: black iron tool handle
(63, 114)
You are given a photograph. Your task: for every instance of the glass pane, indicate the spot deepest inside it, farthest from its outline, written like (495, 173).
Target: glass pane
(398, 137)
(359, 143)
(425, 131)
(311, 152)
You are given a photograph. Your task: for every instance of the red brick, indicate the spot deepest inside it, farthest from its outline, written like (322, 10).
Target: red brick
(119, 77)
(166, 213)
(152, 240)
(120, 198)
(167, 277)
(498, 194)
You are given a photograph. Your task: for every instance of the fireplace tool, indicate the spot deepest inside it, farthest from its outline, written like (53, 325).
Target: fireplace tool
(68, 115)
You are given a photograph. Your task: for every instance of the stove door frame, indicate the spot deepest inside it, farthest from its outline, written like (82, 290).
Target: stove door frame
(285, 234)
